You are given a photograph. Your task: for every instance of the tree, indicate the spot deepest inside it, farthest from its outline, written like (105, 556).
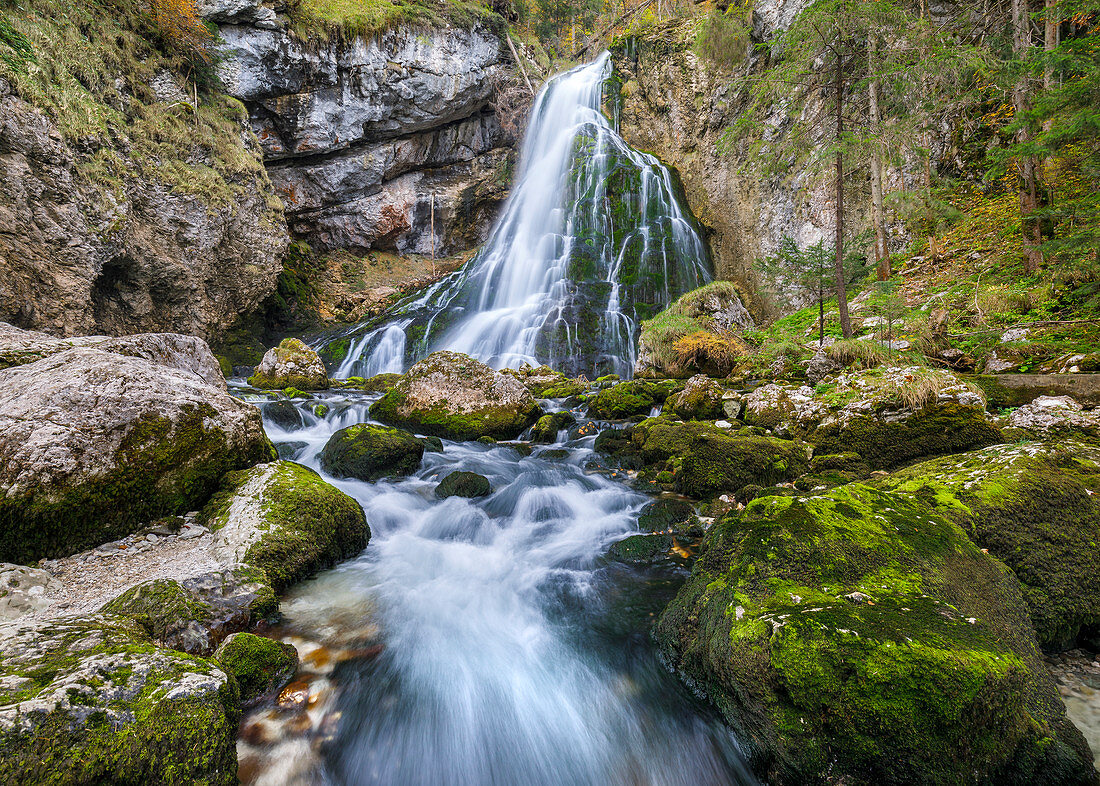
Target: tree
(1026, 164)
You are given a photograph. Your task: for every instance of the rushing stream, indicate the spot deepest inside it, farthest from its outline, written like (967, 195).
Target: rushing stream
(594, 237)
(482, 641)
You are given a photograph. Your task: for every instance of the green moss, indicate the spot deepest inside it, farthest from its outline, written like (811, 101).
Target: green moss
(261, 666)
(369, 452)
(292, 353)
(347, 19)
(379, 383)
(463, 484)
(160, 469)
(547, 427)
(640, 549)
(498, 422)
(629, 399)
(1034, 507)
(857, 636)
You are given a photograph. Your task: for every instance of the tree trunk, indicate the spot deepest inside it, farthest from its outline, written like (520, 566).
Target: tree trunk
(838, 264)
(878, 212)
(1027, 165)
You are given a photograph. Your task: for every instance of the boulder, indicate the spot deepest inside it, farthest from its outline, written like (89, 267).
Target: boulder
(547, 428)
(544, 382)
(194, 614)
(260, 666)
(1036, 507)
(91, 700)
(24, 590)
(640, 549)
(292, 364)
(94, 443)
(453, 396)
(701, 399)
(367, 452)
(464, 484)
(283, 414)
(629, 399)
(856, 637)
(282, 519)
(887, 415)
(669, 516)
(1049, 416)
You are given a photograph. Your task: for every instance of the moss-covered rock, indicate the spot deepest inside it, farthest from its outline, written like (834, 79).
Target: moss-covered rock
(670, 516)
(283, 414)
(547, 428)
(292, 364)
(544, 382)
(379, 383)
(464, 484)
(261, 666)
(92, 700)
(640, 549)
(369, 452)
(194, 614)
(857, 637)
(453, 396)
(630, 399)
(94, 444)
(701, 399)
(285, 521)
(1035, 507)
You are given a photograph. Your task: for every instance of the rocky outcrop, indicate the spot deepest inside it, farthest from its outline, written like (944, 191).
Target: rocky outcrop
(856, 637)
(453, 396)
(93, 444)
(94, 239)
(91, 700)
(373, 143)
(284, 521)
(291, 364)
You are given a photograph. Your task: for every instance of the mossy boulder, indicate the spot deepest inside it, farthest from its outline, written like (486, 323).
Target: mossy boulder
(630, 399)
(283, 414)
(547, 428)
(464, 484)
(640, 549)
(670, 516)
(367, 452)
(701, 399)
(889, 416)
(92, 700)
(858, 637)
(283, 520)
(94, 444)
(292, 364)
(379, 383)
(260, 665)
(544, 382)
(453, 396)
(1036, 507)
(194, 614)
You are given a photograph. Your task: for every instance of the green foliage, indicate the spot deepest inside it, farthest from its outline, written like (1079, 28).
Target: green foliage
(348, 19)
(723, 36)
(15, 49)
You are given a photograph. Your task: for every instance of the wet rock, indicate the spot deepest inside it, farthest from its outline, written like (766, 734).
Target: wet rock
(24, 590)
(292, 364)
(261, 666)
(464, 484)
(769, 621)
(628, 399)
(367, 452)
(701, 399)
(544, 382)
(453, 396)
(285, 521)
(669, 515)
(640, 549)
(283, 414)
(379, 383)
(431, 444)
(94, 444)
(547, 428)
(194, 614)
(91, 700)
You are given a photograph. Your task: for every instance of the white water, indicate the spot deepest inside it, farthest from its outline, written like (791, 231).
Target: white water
(548, 286)
(505, 660)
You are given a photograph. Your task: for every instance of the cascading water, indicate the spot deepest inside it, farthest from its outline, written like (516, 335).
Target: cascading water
(482, 642)
(593, 239)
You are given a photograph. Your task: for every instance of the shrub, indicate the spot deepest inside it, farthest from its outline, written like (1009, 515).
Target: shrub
(715, 352)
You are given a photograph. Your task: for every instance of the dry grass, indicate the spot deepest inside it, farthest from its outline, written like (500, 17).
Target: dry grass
(864, 354)
(920, 387)
(715, 352)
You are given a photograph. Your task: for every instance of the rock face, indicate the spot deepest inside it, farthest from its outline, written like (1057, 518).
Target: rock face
(1033, 506)
(283, 520)
(94, 443)
(367, 452)
(856, 637)
(24, 590)
(292, 364)
(453, 396)
(139, 255)
(90, 700)
(370, 142)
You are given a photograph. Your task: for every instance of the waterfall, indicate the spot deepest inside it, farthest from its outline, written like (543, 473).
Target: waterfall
(593, 239)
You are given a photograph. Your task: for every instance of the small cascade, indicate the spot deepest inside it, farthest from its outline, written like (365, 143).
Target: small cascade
(593, 239)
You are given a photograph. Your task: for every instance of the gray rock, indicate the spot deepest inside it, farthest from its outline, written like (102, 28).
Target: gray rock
(291, 364)
(24, 590)
(238, 12)
(1048, 415)
(93, 444)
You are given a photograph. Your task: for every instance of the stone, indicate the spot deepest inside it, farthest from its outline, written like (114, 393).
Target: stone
(283, 520)
(453, 396)
(856, 636)
(261, 666)
(368, 452)
(1050, 415)
(91, 700)
(93, 444)
(640, 549)
(669, 515)
(292, 364)
(549, 426)
(630, 399)
(283, 414)
(24, 590)
(463, 484)
(701, 399)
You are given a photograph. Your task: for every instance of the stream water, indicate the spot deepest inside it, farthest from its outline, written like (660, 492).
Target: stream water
(593, 238)
(482, 641)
